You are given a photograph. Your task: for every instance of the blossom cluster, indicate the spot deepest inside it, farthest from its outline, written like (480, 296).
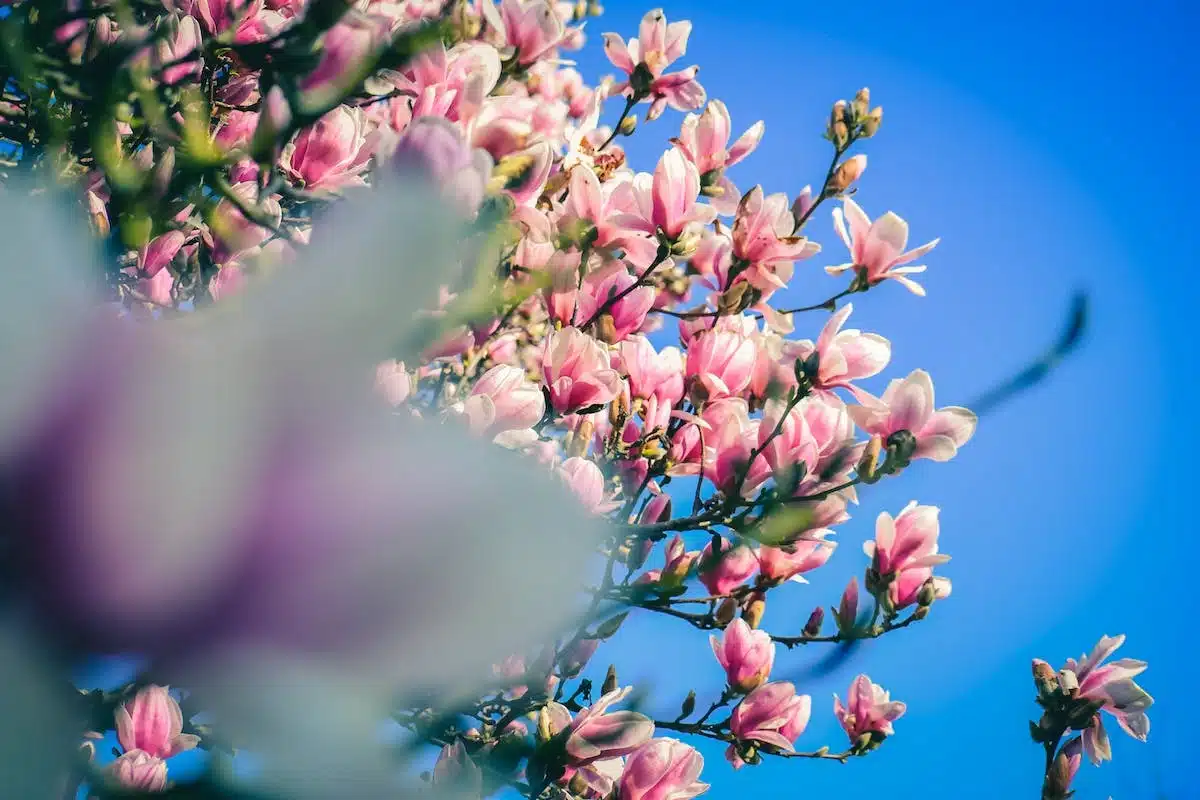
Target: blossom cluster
(621, 330)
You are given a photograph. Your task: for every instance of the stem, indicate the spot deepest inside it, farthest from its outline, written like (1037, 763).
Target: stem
(630, 102)
(659, 258)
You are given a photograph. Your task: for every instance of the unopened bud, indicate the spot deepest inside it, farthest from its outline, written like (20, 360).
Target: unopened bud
(1058, 779)
(725, 612)
(689, 705)
(1044, 678)
(926, 594)
(862, 102)
(628, 125)
(618, 410)
(815, 620)
(754, 610)
(870, 125)
(688, 241)
(579, 13)
(838, 114)
(802, 204)
(544, 732)
(610, 680)
(734, 299)
(850, 170)
(606, 329)
(579, 441)
(846, 614)
(920, 613)
(1068, 682)
(869, 463)
(839, 133)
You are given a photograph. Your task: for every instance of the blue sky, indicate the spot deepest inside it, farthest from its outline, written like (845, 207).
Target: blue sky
(1049, 146)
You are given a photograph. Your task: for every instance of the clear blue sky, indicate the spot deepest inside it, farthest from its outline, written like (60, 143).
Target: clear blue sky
(1050, 145)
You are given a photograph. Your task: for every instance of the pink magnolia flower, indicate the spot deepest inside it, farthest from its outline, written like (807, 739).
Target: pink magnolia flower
(347, 52)
(745, 654)
(330, 154)
(173, 49)
(644, 60)
(727, 569)
(662, 769)
(598, 734)
(906, 549)
(869, 711)
(159, 252)
(531, 27)
(152, 723)
(907, 405)
(878, 247)
(139, 771)
(794, 445)
(626, 315)
(577, 371)
(504, 399)
(1111, 685)
(677, 563)
(762, 236)
(232, 233)
(599, 777)
(704, 141)
(587, 482)
(844, 355)
(610, 207)
(772, 714)
(655, 377)
(779, 564)
(721, 362)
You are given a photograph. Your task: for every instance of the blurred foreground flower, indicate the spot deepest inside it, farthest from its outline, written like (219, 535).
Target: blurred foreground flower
(224, 494)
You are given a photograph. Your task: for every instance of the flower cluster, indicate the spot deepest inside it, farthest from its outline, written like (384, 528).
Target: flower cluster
(1072, 699)
(622, 331)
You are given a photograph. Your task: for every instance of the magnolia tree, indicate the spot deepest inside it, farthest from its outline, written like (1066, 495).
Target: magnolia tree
(379, 339)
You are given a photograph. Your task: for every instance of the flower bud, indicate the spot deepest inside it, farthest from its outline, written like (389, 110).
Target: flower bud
(870, 125)
(926, 594)
(1044, 678)
(846, 614)
(688, 706)
(628, 125)
(544, 731)
(812, 628)
(862, 102)
(754, 610)
(609, 627)
(688, 241)
(578, 442)
(735, 299)
(610, 680)
(920, 612)
(1068, 682)
(802, 204)
(848, 172)
(725, 612)
(868, 464)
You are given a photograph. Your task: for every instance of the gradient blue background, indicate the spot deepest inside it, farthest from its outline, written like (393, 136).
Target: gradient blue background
(1050, 145)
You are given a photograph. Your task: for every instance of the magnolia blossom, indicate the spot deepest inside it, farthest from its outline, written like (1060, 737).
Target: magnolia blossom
(878, 247)
(789, 563)
(504, 400)
(746, 655)
(330, 154)
(844, 355)
(907, 405)
(763, 237)
(597, 734)
(587, 482)
(868, 712)
(728, 568)
(905, 551)
(139, 771)
(772, 714)
(704, 140)
(577, 371)
(645, 59)
(662, 769)
(1112, 687)
(721, 362)
(153, 723)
